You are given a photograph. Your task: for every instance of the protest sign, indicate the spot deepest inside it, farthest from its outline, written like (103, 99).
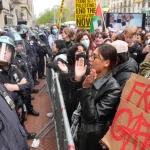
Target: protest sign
(131, 126)
(84, 12)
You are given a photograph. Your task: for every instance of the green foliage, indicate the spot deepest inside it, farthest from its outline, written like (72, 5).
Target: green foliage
(48, 16)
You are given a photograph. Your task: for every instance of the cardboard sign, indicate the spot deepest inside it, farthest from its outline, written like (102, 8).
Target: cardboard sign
(84, 12)
(131, 126)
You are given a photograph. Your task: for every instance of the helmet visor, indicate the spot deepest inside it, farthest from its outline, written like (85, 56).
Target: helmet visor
(6, 51)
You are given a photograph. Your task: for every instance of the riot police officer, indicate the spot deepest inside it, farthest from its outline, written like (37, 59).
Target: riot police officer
(10, 75)
(12, 134)
(29, 50)
(22, 60)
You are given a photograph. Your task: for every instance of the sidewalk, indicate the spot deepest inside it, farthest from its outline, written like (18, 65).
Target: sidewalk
(41, 104)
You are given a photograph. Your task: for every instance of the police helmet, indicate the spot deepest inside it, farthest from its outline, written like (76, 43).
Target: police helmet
(14, 35)
(19, 44)
(6, 44)
(22, 29)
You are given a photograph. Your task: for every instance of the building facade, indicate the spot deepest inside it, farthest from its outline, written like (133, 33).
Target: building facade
(13, 12)
(130, 6)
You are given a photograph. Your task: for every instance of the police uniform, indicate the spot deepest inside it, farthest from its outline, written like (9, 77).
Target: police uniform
(21, 61)
(13, 76)
(12, 134)
(30, 52)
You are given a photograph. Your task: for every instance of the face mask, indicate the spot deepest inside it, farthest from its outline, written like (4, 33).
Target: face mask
(82, 54)
(54, 31)
(86, 43)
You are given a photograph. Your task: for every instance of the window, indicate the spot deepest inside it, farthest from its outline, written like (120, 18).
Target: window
(143, 4)
(148, 4)
(121, 4)
(129, 2)
(114, 6)
(128, 9)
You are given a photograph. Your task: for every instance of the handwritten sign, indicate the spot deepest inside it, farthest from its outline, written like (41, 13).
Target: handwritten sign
(131, 126)
(84, 12)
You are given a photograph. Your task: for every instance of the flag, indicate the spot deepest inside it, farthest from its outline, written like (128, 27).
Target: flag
(97, 20)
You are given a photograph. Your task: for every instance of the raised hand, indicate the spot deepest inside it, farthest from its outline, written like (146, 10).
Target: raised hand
(62, 66)
(90, 79)
(80, 69)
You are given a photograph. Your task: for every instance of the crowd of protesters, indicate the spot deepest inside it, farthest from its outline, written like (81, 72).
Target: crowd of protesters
(93, 69)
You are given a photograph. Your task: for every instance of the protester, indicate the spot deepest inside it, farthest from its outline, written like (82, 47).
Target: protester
(68, 36)
(144, 69)
(53, 36)
(86, 40)
(99, 95)
(140, 38)
(59, 54)
(98, 39)
(125, 65)
(135, 49)
(77, 51)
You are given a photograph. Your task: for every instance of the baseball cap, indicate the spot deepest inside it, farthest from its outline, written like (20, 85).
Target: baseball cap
(121, 46)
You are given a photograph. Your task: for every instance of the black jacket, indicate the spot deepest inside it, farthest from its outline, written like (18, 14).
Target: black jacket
(99, 104)
(123, 72)
(136, 52)
(23, 61)
(13, 76)
(69, 44)
(60, 56)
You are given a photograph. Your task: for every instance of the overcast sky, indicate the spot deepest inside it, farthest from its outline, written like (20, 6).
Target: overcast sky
(41, 5)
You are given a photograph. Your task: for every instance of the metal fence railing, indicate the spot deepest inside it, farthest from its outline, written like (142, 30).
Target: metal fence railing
(62, 127)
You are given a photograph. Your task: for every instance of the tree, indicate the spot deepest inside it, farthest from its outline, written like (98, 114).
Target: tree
(45, 17)
(48, 16)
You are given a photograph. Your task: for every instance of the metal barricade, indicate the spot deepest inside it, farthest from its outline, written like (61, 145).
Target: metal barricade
(62, 127)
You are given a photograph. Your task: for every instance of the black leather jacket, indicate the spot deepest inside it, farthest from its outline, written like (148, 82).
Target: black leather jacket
(99, 103)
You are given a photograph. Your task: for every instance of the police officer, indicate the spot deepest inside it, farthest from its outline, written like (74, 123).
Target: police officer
(11, 76)
(12, 134)
(22, 60)
(29, 50)
(36, 49)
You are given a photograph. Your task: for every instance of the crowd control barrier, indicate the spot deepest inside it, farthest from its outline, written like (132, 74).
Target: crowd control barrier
(62, 127)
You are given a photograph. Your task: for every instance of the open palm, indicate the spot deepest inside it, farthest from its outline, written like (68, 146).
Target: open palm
(80, 68)
(62, 66)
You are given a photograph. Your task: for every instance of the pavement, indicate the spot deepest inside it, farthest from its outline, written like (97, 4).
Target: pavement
(41, 104)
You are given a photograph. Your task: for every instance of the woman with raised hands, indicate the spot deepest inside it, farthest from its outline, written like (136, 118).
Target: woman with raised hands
(98, 94)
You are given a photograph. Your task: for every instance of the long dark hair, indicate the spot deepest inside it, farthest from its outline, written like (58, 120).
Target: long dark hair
(72, 51)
